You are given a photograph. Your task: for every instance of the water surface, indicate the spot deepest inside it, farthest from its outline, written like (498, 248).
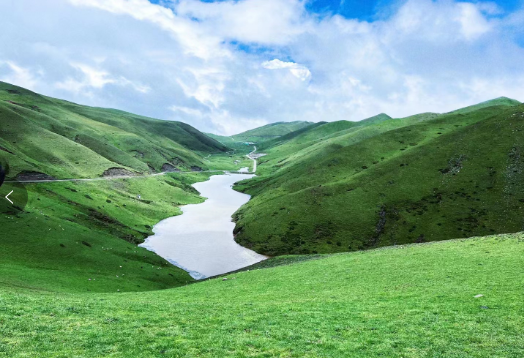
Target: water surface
(200, 240)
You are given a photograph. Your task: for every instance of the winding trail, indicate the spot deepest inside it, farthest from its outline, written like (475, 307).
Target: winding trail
(250, 156)
(116, 177)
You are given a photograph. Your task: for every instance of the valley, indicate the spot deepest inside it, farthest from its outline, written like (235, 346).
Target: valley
(396, 237)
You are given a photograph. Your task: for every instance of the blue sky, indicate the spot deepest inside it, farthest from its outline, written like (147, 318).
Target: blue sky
(364, 10)
(367, 10)
(229, 66)
(370, 9)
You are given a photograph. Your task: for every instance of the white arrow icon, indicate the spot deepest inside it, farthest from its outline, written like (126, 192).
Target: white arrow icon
(8, 198)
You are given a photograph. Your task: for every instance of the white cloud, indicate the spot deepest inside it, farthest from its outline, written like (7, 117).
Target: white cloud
(273, 22)
(17, 74)
(223, 67)
(299, 71)
(92, 78)
(186, 110)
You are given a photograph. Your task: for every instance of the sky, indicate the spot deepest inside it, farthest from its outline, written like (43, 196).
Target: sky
(231, 65)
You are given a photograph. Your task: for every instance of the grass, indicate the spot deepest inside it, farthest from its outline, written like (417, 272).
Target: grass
(423, 178)
(75, 236)
(404, 301)
(231, 161)
(64, 139)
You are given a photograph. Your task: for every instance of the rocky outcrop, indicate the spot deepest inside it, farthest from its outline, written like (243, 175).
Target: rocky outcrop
(114, 172)
(168, 168)
(30, 176)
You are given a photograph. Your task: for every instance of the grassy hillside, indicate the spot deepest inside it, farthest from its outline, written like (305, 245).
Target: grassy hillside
(299, 144)
(449, 299)
(422, 178)
(83, 236)
(64, 140)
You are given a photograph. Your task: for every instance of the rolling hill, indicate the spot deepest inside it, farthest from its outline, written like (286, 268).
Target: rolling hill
(421, 178)
(39, 134)
(270, 131)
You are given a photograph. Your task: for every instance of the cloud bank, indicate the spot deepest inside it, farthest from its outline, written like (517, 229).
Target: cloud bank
(229, 66)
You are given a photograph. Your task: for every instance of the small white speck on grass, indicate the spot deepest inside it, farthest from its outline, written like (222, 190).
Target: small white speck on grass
(479, 296)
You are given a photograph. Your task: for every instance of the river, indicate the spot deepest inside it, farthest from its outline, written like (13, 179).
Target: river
(200, 241)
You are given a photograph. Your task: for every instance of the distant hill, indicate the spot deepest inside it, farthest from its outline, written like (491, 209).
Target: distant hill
(348, 186)
(64, 139)
(270, 131)
(277, 133)
(501, 101)
(261, 134)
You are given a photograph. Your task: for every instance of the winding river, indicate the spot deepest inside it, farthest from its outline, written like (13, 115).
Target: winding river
(200, 241)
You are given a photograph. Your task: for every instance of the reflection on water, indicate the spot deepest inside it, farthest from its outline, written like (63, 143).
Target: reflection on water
(201, 240)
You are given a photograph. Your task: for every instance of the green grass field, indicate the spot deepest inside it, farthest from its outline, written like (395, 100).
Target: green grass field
(404, 301)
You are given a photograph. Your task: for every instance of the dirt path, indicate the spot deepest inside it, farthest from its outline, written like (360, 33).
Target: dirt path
(253, 159)
(114, 177)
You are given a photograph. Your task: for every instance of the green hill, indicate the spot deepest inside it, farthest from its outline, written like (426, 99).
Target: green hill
(64, 140)
(450, 299)
(75, 233)
(421, 178)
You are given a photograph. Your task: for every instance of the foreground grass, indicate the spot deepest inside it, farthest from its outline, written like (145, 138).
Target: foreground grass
(406, 301)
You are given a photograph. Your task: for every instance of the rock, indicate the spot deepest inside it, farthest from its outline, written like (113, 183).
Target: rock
(115, 172)
(168, 168)
(30, 176)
